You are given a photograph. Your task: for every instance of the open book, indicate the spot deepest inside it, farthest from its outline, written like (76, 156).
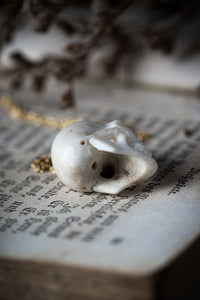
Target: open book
(56, 243)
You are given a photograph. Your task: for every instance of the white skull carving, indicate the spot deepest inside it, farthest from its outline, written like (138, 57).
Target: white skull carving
(100, 157)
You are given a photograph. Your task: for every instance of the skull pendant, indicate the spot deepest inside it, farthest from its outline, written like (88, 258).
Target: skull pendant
(100, 157)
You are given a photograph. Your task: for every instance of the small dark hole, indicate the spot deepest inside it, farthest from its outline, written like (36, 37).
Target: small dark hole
(82, 142)
(94, 165)
(187, 132)
(108, 171)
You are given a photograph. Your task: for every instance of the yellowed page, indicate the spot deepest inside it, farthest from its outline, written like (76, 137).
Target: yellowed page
(137, 231)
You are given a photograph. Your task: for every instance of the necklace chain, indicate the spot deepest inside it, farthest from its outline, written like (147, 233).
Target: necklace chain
(18, 113)
(40, 164)
(44, 164)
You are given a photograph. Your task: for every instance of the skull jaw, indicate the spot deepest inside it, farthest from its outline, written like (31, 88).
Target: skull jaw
(133, 170)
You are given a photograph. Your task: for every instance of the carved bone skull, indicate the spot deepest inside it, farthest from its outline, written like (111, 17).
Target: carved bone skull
(100, 157)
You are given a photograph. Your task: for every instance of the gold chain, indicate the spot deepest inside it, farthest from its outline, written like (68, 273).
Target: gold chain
(18, 113)
(15, 111)
(40, 164)
(43, 164)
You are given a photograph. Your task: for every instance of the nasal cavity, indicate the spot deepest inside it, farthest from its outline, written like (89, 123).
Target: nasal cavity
(108, 171)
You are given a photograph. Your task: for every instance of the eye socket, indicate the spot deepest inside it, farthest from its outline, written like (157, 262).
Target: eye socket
(108, 171)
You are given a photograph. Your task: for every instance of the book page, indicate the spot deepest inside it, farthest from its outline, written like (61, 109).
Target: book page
(138, 231)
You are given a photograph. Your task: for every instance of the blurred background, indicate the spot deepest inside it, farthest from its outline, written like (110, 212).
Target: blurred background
(152, 44)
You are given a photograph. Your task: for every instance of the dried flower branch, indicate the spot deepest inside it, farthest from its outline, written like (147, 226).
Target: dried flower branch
(125, 27)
